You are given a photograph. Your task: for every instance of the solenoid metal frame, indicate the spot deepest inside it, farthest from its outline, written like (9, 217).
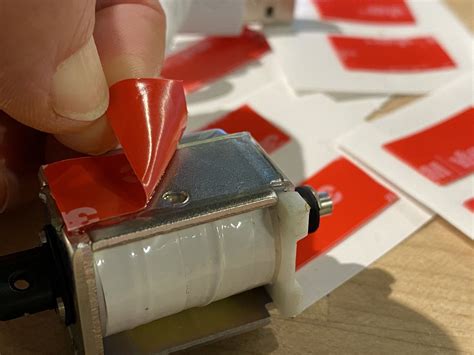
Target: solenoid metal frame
(213, 176)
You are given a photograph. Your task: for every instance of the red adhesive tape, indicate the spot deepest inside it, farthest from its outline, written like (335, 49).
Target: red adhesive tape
(444, 152)
(148, 117)
(269, 136)
(391, 55)
(214, 57)
(371, 11)
(469, 204)
(357, 199)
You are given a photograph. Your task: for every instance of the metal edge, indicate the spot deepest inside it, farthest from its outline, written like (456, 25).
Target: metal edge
(285, 183)
(224, 335)
(214, 139)
(268, 199)
(89, 325)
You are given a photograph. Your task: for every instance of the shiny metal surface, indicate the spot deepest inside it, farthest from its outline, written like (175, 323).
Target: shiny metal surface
(86, 332)
(222, 175)
(325, 203)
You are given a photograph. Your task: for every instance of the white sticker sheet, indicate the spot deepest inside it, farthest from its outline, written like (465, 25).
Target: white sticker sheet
(343, 56)
(230, 90)
(427, 150)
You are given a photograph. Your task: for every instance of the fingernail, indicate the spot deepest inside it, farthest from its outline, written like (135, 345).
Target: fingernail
(80, 90)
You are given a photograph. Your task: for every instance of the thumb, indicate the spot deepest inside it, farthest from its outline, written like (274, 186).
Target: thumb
(79, 90)
(130, 37)
(51, 78)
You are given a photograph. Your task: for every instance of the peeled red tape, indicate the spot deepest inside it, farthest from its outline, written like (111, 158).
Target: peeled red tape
(148, 117)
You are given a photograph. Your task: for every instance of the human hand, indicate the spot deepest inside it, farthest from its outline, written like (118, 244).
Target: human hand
(57, 60)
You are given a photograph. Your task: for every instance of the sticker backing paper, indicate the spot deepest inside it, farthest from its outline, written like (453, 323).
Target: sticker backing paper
(245, 119)
(442, 153)
(341, 56)
(369, 11)
(349, 188)
(426, 149)
(213, 57)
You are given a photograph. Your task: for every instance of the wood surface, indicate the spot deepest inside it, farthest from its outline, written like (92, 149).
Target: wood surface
(417, 299)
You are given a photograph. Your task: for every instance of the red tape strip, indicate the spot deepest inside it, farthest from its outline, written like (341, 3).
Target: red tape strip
(371, 11)
(391, 55)
(213, 58)
(443, 152)
(148, 117)
(357, 199)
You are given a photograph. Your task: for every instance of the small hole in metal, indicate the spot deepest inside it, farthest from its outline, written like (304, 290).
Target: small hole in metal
(21, 285)
(269, 11)
(176, 197)
(20, 281)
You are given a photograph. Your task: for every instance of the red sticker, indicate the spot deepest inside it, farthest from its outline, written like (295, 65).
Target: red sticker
(357, 199)
(442, 153)
(245, 119)
(214, 57)
(469, 204)
(374, 11)
(397, 55)
(148, 117)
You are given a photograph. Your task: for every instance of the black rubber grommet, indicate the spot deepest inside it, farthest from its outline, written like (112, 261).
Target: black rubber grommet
(32, 280)
(308, 195)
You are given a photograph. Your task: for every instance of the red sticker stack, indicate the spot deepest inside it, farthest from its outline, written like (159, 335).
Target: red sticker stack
(148, 117)
(442, 153)
(469, 204)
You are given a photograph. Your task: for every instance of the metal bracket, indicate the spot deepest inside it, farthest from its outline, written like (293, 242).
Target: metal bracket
(212, 175)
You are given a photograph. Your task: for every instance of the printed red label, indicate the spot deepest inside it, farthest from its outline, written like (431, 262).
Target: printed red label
(357, 199)
(397, 55)
(469, 204)
(148, 117)
(373, 11)
(245, 119)
(214, 57)
(442, 153)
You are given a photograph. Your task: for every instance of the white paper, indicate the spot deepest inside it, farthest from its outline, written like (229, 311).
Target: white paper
(311, 64)
(430, 15)
(313, 122)
(365, 144)
(228, 92)
(231, 91)
(240, 87)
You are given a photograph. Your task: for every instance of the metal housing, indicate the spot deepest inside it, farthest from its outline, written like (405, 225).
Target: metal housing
(211, 176)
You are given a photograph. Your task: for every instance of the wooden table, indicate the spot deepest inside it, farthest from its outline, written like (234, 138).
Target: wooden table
(417, 299)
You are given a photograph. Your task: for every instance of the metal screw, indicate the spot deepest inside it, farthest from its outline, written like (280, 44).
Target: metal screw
(176, 197)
